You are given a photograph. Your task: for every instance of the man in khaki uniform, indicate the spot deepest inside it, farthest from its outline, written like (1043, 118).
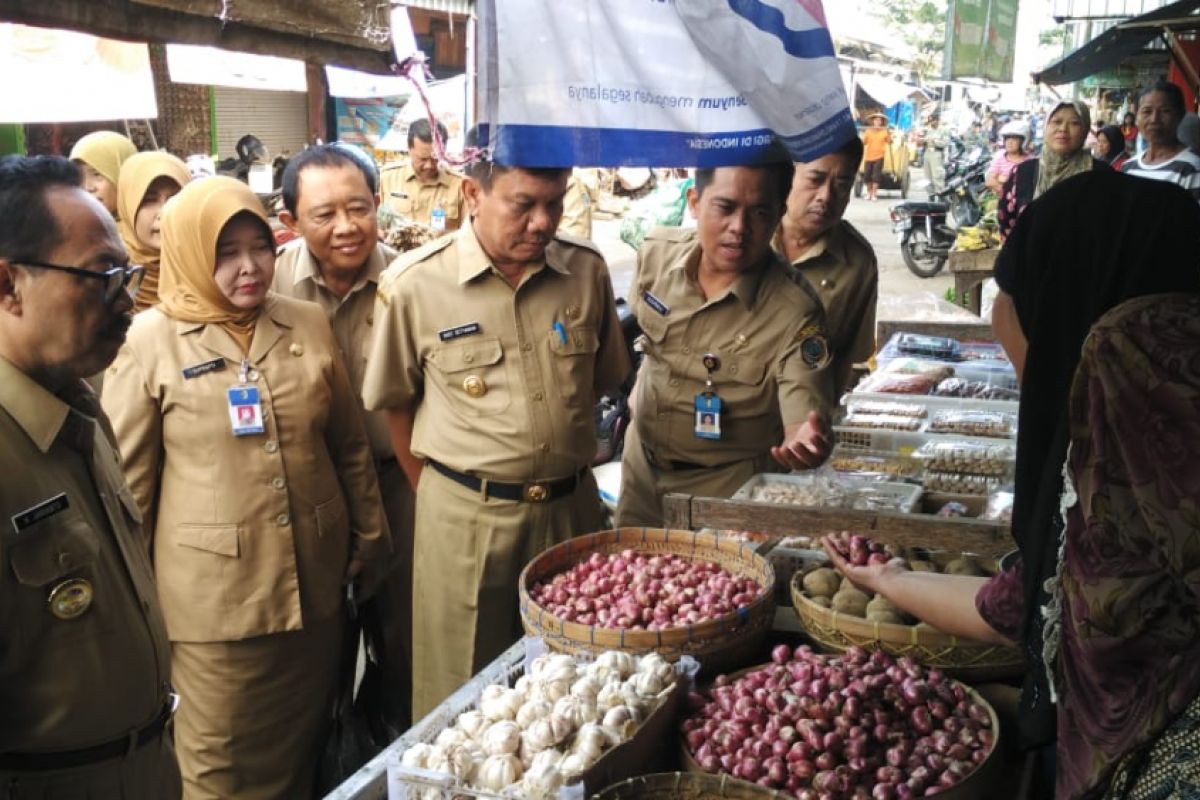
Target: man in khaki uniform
(491, 348)
(416, 189)
(85, 676)
(330, 196)
(834, 257)
(577, 207)
(735, 375)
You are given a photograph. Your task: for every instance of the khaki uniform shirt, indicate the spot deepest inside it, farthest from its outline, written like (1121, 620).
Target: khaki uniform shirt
(252, 534)
(65, 514)
(351, 317)
(577, 209)
(502, 380)
(841, 267)
(767, 331)
(407, 195)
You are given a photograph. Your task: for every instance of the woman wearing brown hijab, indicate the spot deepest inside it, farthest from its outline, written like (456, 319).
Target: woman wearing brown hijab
(244, 447)
(101, 155)
(147, 181)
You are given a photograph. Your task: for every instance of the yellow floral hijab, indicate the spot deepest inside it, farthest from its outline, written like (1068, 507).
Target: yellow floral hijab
(191, 224)
(137, 174)
(105, 152)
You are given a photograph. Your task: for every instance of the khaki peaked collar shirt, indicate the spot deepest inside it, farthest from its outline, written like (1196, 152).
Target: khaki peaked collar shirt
(502, 380)
(767, 331)
(842, 269)
(407, 195)
(352, 318)
(67, 518)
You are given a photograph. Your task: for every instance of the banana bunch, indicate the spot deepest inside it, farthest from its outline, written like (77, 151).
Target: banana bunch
(976, 238)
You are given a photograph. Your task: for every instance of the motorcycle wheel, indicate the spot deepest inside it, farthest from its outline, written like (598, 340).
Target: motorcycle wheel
(917, 258)
(904, 184)
(858, 185)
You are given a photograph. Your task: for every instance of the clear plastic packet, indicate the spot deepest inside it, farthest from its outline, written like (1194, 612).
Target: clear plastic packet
(913, 344)
(886, 497)
(897, 383)
(968, 458)
(914, 410)
(999, 507)
(882, 422)
(995, 424)
(951, 483)
(974, 390)
(820, 487)
(873, 464)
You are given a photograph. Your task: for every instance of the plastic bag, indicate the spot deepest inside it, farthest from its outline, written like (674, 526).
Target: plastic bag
(873, 464)
(999, 507)
(994, 424)
(975, 390)
(950, 483)
(968, 458)
(664, 206)
(912, 410)
(897, 383)
(882, 422)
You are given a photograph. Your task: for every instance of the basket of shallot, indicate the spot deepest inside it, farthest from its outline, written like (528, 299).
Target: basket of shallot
(646, 590)
(854, 725)
(687, 786)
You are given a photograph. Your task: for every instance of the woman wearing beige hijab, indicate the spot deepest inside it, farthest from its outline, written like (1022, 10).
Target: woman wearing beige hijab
(100, 155)
(244, 447)
(147, 181)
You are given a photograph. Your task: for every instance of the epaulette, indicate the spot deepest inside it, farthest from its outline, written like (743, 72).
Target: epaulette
(404, 261)
(570, 239)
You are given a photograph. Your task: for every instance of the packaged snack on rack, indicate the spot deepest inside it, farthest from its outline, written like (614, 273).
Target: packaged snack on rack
(993, 424)
(912, 344)
(917, 366)
(975, 390)
(999, 507)
(950, 483)
(886, 497)
(873, 464)
(897, 383)
(914, 410)
(968, 458)
(882, 421)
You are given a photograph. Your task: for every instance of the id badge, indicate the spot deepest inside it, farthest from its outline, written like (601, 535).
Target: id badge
(708, 416)
(245, 411)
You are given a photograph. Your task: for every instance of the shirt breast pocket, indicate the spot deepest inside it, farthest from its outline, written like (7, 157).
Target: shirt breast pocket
(401, 203)
(742, 384)
(58, 558)
(574, 358)
(474, 376)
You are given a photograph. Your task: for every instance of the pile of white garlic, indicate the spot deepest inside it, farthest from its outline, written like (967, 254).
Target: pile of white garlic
(551, 726)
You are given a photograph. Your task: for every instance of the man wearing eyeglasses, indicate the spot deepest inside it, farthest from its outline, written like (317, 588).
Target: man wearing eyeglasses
(84, 658)
(421, 190)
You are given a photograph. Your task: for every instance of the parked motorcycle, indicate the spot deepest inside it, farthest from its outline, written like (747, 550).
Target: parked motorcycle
(927, 230)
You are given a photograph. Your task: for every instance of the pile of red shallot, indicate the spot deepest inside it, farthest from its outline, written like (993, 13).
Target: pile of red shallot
(860, 550)
(859, 726)
(636, 591)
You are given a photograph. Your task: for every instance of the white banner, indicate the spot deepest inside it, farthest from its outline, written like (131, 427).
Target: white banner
(63, 76)
(188, 63)
(657, 82)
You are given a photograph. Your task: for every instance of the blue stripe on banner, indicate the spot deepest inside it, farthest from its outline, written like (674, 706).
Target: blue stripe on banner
(561, 146)
(812, 43)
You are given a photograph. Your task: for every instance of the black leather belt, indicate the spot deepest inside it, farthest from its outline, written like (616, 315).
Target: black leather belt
(675, 466)
(532, 492)
(69, 759)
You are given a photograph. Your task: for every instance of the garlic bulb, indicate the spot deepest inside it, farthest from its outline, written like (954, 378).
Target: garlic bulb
(588, 750)
(499, 702)
(619, 715)
(646, 684)
(575, 710)
(610, 697)
(631, 696)
(621, 732)
(531, 711)
(502, 738)
(547, 732)
(552, 666)
(603, 672)
(593, 737)
(546, 758)
(542, 782)
(575, 764)
(456, 760)
(621, 662)
(499, 772)
(416, 756)
(656, 664)
(587, 687)
(472, 723)
(554, 688)
(451, 737)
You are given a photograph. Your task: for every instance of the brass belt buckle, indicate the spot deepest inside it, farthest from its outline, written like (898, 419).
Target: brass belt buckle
(535, 493)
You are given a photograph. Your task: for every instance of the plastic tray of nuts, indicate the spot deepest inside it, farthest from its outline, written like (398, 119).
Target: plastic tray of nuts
(819, 489)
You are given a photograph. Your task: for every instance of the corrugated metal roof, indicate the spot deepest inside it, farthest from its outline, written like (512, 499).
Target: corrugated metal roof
(451, 6)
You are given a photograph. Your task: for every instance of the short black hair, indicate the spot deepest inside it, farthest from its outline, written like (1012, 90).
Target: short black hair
(28, 225)
(1173, 93)
(325, 155)
(419, 129)
(483, 171)
(851, 150)
(775, 159)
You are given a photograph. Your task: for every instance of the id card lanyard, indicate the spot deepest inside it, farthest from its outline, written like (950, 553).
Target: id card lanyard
(708, 403)
(245, 408)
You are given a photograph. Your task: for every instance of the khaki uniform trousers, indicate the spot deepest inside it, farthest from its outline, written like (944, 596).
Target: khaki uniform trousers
(469, 553)
(253, 713)
(148, 773)
(643, 485)
(394, 596)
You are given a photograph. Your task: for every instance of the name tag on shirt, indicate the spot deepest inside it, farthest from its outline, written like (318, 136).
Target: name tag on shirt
(196, 370)
(470, 329)
(245, 411)
(42, 511)
(656, 304)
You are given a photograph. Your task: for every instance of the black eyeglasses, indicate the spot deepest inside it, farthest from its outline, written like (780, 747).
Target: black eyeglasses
(115, 278)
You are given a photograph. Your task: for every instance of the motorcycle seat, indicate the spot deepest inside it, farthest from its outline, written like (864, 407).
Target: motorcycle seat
(924, 207)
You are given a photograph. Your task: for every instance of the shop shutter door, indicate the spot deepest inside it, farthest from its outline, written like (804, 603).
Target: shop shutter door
(279, 119)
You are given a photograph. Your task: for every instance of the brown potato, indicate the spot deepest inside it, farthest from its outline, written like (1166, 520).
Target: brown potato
(885, 616)
(881, 604)
(963, 566)
(823, 602)
(850, 601)
(822, 582)
(921, 566)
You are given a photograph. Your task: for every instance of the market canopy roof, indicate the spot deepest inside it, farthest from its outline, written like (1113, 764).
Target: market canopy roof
(347, 33)
(1120, 42)
(888, 92)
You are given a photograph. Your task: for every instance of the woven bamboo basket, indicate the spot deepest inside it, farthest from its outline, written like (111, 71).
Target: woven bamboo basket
(719, 644)
(960, 658)
(973, 787)
(686, 786)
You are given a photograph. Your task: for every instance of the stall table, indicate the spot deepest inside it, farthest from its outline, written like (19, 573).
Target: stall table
(971, 268)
